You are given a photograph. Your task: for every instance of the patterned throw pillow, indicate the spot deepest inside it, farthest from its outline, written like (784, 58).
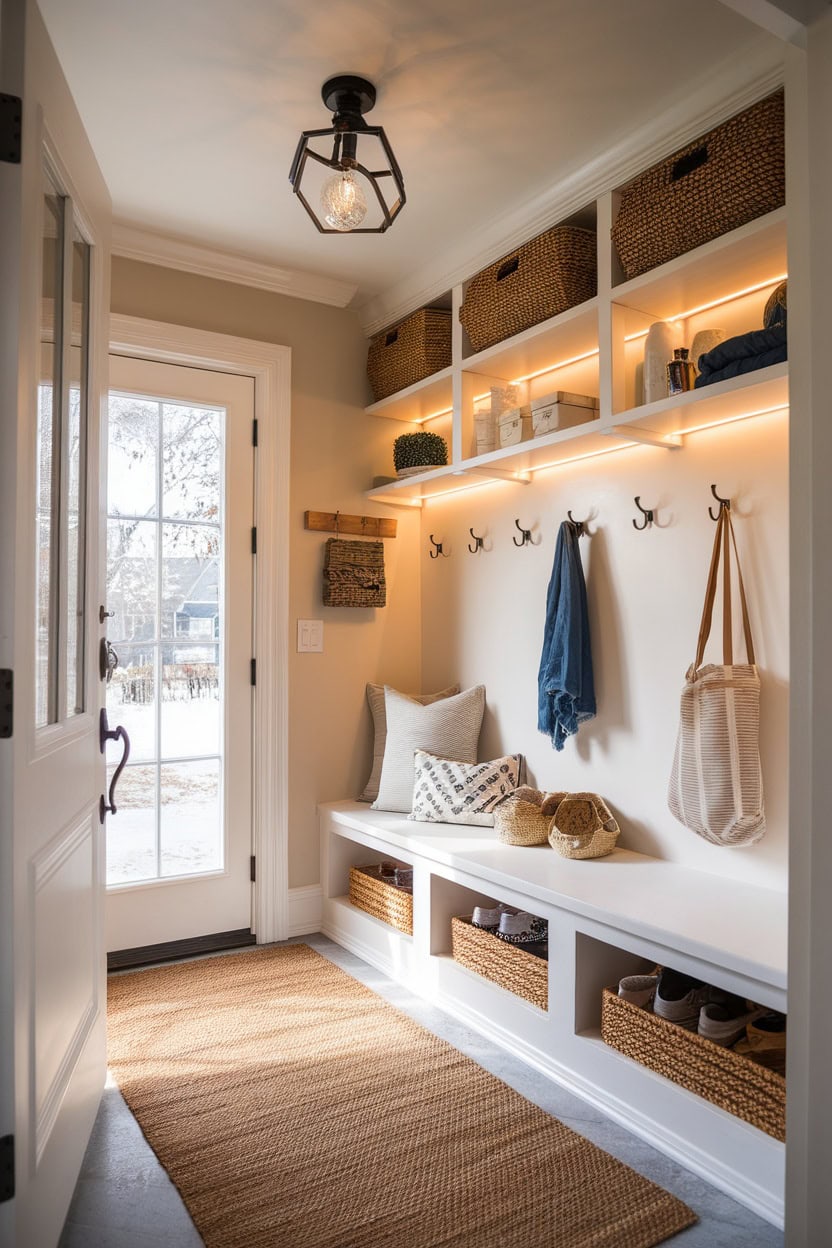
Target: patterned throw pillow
(448, 792)
(375, 699)
(449, 728)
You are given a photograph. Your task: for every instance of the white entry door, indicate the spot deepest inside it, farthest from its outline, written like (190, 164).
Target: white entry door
(54, 294)
(180, 583)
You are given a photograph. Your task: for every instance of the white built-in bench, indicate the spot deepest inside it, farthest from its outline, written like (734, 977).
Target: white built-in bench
(607, 918)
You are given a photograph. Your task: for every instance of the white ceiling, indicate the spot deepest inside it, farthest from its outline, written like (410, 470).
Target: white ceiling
(194, 108)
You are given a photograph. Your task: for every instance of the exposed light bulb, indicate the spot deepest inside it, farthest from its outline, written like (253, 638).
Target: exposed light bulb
(343, 203)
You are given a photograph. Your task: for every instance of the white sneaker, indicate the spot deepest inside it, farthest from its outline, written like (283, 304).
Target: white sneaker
(638, 989)
(725, 1023)
(489, 918)
(679, 998)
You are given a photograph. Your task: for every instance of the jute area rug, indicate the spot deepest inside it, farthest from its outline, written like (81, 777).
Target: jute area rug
(293, 1107)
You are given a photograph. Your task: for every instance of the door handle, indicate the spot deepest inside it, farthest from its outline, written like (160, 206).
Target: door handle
(105, 734)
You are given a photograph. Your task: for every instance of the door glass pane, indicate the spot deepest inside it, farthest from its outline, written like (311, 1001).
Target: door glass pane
(190, 700)
(132, 852)
(133, 446)
(76, 442)
(48, 461)
(192, 453)
(191, 831)
(164, 586)
(131, 698)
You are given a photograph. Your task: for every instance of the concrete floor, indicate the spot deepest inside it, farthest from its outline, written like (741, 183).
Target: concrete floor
(124, 1199)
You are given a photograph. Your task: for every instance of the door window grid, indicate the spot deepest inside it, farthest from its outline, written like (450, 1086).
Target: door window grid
(170, 666)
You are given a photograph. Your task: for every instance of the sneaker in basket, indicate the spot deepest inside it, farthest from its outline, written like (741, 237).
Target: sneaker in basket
(522, 928)
(679, 998)
(489, 918)
(638, 989)
(724, 1023)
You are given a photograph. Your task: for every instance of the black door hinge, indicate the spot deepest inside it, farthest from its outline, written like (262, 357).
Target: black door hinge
(11, 128)
(6, 702)
(254, 432)
(6, 1167)
(253, 868)
(254, 540)
(254, 671)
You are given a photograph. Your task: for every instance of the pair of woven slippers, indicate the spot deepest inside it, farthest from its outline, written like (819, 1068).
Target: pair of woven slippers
(517, 927)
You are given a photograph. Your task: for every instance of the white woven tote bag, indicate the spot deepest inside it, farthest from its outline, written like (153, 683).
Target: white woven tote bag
(716, 785)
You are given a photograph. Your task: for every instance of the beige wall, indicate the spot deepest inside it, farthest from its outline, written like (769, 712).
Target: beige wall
(483, 621)
(335, 448)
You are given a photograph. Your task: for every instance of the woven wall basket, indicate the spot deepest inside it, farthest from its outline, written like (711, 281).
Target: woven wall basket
(354, 574)
(384, 901)
(419, 346)
(544, 277)
(721, 1076)
(515, 969)
(731, 175)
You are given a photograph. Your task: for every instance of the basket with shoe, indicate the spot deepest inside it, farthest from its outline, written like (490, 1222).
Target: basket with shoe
(727, 1050)
(386, 892)
(510, 947)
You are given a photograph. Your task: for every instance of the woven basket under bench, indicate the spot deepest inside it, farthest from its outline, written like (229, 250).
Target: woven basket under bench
(512, 967)
(721, 1076)
(382, 900)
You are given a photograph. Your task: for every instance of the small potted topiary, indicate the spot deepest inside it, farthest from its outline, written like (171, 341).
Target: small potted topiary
(414, 452)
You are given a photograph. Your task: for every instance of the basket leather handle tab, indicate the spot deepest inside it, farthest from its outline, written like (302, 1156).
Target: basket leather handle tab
(508, 267)
(724, 535)
(688, 163)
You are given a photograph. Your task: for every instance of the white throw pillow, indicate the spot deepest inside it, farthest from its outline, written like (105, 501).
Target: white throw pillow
(450, 728)
(446, 791)
(375, 698)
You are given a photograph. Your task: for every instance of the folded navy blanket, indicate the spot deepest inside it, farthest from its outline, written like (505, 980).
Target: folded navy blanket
(757, 342)
(748, 364)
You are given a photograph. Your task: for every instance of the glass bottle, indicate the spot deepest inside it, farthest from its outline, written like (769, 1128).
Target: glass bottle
(681, 373)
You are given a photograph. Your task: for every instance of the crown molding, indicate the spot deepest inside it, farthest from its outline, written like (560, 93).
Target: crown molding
(722, 97)
(134, 243)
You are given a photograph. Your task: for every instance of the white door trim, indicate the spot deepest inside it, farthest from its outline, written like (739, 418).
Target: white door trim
(270, 366)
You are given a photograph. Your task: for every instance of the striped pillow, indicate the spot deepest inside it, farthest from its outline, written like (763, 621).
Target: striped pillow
(375, 699)
(449, 792)
(449, 728)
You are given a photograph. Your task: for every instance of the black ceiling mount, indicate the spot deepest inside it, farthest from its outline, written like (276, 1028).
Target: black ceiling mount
(348, 95)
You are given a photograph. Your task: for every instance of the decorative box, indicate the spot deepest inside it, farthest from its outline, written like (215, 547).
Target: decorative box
(515, 426)
(562, 410)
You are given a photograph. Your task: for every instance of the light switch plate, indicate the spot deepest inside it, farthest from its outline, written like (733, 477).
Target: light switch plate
(310, 636)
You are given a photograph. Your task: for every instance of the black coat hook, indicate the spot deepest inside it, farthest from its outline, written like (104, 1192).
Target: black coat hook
(437, 549)
(526, 535)
(647, 512)
(479, 543)
(724, 504)
(579, 525)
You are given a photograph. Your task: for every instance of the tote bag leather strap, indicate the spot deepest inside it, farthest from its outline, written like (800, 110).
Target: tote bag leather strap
(724, 536)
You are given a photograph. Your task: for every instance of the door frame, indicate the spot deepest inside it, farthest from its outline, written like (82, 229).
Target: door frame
(270, 366)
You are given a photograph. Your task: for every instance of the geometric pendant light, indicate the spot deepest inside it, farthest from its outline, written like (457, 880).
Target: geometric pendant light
(355, 185)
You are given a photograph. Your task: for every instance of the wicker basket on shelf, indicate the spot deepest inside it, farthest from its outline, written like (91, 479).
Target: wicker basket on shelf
(381, 898)
(544, 277)
(721, 1076)
(409, 352)
(510, 966)
(731, 175)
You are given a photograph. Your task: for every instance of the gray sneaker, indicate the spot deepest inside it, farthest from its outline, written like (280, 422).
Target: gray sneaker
(638, 989)
(679, 998)
(725, 1023)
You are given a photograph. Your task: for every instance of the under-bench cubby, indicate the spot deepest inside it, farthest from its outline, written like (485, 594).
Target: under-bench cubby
(607, 918)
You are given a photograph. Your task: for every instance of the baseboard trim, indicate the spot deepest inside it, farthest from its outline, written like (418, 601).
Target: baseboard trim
(171, 950)
(305, 910)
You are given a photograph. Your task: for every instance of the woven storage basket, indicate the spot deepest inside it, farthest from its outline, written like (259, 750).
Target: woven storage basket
(721, 1076)
(409, 352)
(512, 967)
(354, 574)
(553, 272)
(384, 901)
(592, 837)
(521, 823)
(731, 175)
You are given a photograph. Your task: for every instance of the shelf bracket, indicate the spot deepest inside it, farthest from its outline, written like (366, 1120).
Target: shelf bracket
(649, 437)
